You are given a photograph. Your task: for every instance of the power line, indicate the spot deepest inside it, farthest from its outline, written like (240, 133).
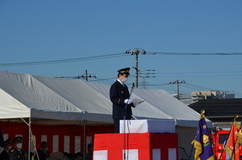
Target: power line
(201, 73)
(104, 56)
(104, 79)
(63, 60)
(196, 69)
(84, 76)
(140, 51)
(193, 86)
(200, 54)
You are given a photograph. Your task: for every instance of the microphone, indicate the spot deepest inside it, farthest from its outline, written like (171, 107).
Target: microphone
(133, 85)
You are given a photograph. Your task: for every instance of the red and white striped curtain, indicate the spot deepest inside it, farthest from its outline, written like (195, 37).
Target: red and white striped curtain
(60, 138)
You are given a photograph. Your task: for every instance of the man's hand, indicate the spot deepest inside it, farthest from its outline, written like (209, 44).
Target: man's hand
(132, 105)
(128, 101)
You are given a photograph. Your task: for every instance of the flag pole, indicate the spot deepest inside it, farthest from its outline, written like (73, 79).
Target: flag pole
(202, 142)
(202, 112)
(235, 143)
(224, 145)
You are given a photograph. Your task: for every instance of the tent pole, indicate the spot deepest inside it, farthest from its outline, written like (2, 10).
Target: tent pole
(29, 137)
(84, 135)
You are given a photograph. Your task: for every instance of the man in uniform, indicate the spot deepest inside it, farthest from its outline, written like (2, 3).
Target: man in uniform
(7, 145)
(89, 154)
(17, 153)
(43, 153)
(119, 96)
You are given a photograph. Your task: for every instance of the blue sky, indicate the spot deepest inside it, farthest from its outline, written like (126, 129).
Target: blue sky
(46, 30)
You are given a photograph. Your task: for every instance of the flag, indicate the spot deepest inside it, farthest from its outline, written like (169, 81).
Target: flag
(232, 145)
(202, 142)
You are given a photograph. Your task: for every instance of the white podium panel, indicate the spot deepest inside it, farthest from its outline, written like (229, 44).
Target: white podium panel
(143, 126)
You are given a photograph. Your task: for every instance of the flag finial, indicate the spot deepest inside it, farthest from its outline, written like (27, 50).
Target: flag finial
(202, 114)
(236, 116)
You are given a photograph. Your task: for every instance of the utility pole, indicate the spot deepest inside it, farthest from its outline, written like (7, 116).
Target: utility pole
(86, 76)
(143, 82)
(136, 52)
(148, 74)
(177, 82)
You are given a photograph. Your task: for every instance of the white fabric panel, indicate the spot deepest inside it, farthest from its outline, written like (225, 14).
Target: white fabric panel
(88, 140)
(171, 153)
(19, 135)
(55, 143)
(43, 138)
(24, 95)
(100, 155)
(11, 107)
(143, 126)
(70, 101)
(156, 154)
(130, 154)
(5, 137)
(67, 144)
(157, 104)
(77, 144)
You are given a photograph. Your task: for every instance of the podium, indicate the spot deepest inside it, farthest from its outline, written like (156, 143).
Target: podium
(143, 126)
(138, 142)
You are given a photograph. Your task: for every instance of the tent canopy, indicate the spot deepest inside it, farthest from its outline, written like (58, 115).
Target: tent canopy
(68, 101)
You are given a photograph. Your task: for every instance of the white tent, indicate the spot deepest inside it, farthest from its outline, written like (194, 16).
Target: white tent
(69, 101)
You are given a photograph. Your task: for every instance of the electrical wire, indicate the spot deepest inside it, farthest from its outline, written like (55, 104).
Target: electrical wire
(201, 54)
(102, 57)
(193, 86)
(63, 60)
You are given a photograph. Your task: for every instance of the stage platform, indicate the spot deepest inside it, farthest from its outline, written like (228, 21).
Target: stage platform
(136, 146)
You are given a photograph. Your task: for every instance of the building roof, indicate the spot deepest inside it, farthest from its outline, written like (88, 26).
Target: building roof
(220, 110)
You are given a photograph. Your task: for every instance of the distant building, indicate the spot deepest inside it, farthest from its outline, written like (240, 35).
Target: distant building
(204, 95)
(184, 98)
(211, 94)
(220, 111)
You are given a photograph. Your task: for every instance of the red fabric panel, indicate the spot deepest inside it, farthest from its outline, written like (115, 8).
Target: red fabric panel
(61, 143)
(72, 143)
(115, 143)
(164, 141)
(50, 140)
(38, 141)
(13, 128)
(144, 142)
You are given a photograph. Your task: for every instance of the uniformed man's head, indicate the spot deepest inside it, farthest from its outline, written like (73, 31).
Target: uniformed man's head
(90, 147)
(18, 142)
(123, 74)
(7, 144)
(44, 146)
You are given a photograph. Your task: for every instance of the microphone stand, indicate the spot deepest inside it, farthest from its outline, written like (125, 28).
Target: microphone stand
(126, 105)
(184, 152)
